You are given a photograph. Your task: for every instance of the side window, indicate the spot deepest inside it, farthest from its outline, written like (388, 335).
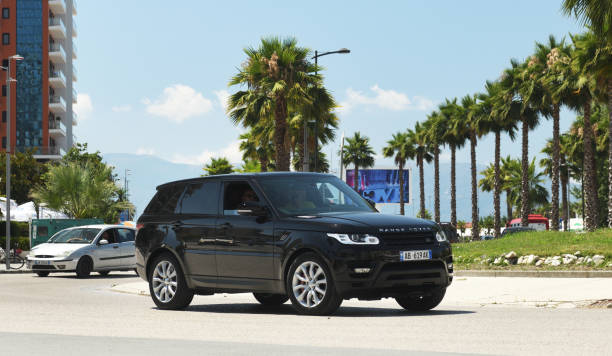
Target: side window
(109, 235)
(236, 193)
(166, 199)
(125, 235)
(200, 198)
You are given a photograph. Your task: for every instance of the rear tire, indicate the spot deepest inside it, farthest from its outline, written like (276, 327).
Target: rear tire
(423, 302)
(271, 299)
(84, 267)
(311, 287)
(167, 284)
(42, 273)
(104, 273)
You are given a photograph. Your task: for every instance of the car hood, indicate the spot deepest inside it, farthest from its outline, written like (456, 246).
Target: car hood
(52, 249)
(358, 222)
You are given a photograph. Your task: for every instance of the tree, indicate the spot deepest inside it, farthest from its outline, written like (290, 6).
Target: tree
(595, 14)
(422, 152)
(400, 149)
(424, 215)
(256, 145)
(436, 126)
(277, 75)
(249, 166)
(25, 172)
(81, 191)
(359, 153)
(218, 166)
(538, 195)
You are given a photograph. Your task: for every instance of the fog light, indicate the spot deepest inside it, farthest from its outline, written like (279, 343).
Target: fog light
(362, 270)
(61, 266)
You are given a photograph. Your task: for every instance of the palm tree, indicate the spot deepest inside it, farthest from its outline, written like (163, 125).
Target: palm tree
(515, 84)
(256, 145)
(509, 165)
(277, 75)
(538, 194)
(400, 149)
(218, 166)
(455, 137)
(359, 153)
(249, 166)
(596, 14)
(422, 153)
(435, 127)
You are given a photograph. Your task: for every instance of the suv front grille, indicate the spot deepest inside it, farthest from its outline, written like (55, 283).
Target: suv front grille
(403, 239)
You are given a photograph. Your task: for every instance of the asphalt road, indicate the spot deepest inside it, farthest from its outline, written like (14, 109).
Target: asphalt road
(62, 315)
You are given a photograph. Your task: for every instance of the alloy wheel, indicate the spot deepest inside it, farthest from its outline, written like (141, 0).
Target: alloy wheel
(309, 284)
(164, 281)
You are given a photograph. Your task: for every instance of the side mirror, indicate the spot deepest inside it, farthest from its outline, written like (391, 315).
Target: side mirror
(250, 208)
(103, 242)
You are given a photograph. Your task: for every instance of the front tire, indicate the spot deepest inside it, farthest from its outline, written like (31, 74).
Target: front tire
(270, 299)
(104, 273)
(42, 273)
(423, 302)
(167, 284)
(84, 267)
(310, 286)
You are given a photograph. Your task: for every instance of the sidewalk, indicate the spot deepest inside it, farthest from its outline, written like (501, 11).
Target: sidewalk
(23, 269)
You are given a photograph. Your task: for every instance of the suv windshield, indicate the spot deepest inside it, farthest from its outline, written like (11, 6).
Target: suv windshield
(312, 195)
(75, 236)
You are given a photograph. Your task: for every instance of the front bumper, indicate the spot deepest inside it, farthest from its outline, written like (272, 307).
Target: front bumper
(388, 276)
(54, 264)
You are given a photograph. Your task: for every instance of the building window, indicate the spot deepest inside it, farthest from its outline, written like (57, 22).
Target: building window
(5, 63)
(3, 116)
(6, 13)
(4, 142)
(4, 90)
(6, 38)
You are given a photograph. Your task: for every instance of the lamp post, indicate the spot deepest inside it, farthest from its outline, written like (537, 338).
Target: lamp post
(316, 133)
(9, 80)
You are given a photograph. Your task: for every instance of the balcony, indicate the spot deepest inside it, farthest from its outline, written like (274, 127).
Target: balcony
(74, 73)
(57, 79)
(74, 28)
(57, 53)
(74, 119)
(57, 6)
(74, 7)
(74, 51)
(57, 105)
(57, 129)
(74, 96)
(56, 27)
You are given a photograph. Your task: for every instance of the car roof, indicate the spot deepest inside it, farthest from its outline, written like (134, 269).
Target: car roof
(245, 176)
(100, 226)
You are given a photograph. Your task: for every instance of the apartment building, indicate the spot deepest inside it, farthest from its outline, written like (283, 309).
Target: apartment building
(42, 98)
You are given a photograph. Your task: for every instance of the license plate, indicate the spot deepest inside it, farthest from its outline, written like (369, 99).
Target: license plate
(415, 255)
(42, 263)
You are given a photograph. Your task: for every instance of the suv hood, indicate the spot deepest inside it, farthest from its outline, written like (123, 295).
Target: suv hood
(357, 222)
(52, 249)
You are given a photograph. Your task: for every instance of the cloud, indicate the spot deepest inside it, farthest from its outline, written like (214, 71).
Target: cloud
(145, 151)
(122, 108)
(178, 103)
(222, 96)
(83, 107)
(231, 152)
(384, 99)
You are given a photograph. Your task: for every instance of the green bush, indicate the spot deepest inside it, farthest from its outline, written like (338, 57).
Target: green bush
(18, 228)
(19, 242)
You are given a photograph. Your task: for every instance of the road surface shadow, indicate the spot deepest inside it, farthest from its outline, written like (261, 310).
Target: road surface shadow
(91, 276)
(286, 309)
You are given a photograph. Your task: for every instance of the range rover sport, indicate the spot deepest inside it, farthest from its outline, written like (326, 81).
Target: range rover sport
(304, 237)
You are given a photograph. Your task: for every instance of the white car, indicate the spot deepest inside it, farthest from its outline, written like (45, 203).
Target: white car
(83, 249)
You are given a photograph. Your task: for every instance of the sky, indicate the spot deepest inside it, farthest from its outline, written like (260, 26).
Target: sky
(153, 75)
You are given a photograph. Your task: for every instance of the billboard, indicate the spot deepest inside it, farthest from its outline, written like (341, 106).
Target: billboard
(380, 185)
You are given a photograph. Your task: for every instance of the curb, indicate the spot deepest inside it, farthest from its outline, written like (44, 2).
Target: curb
(535, 274)
(16, 271)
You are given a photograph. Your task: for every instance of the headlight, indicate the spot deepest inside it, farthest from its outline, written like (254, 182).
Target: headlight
(440, 236)
(355, 239)
(65, 254)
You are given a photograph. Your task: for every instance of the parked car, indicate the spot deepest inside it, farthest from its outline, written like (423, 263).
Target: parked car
(487, 237)
(306, 237)
(515, 229)
(85, 249)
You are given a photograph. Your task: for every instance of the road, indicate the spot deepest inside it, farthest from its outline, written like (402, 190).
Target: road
(62, 315)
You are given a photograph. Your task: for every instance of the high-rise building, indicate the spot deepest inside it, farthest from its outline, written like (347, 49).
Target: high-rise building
(42, 98)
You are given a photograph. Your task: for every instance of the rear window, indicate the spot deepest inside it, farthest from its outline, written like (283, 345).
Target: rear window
(200, 198)
(166, 199)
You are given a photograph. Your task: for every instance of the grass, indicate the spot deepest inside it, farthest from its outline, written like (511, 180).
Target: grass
(541, 243)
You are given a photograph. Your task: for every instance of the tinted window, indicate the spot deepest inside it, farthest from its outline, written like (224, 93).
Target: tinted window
(125, 235)
(200, 198)
(166, 199)
(235, 194)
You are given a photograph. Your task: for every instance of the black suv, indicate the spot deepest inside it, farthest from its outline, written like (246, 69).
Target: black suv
(307, 237)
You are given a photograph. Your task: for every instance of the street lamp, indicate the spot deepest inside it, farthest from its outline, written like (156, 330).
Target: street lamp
(316, 138)
(9, 80)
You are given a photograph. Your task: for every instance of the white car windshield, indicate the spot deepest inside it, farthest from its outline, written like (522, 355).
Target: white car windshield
(75, 236)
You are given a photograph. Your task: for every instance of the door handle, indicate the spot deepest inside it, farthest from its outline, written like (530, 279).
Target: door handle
(225, 241)
(203, 241)
(115, 246)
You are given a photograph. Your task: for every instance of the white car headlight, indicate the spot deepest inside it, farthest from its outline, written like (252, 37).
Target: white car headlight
(440, 236)
(355, 239)
(65, 254)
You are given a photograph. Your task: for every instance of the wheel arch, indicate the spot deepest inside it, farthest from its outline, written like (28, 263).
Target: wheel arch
(165, 250)
(297, 253)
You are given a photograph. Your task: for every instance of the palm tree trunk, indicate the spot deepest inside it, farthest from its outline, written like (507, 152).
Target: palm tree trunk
(301, 147)
(610, 153)
(453, 189)
(263, 162)
(590, 186)
(421, 186)
(497, 187)
(401, 188)
(555, 171)
(437, 184)
(509, 204)
(356, 178)
(564, 201)
(280, 133)
(475, 230)
(524, 174)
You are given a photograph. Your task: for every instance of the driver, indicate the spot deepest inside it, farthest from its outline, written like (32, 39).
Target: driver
(297, 200)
